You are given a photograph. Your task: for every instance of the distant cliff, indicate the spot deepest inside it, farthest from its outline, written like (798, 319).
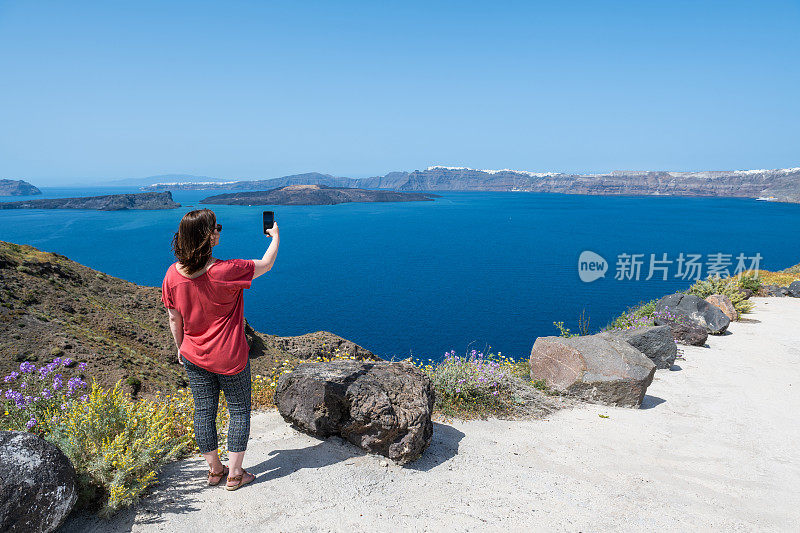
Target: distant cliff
(17, 188)
(310, 178)
(313, 195)
(111, 202)
(782, 184)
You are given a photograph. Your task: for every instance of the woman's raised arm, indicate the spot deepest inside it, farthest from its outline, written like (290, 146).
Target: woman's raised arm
(264, 264)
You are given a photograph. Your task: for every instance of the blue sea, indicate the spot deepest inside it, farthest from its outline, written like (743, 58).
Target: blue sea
(482, 270)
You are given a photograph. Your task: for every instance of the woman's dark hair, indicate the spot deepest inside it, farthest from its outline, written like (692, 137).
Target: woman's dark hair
(192, 242)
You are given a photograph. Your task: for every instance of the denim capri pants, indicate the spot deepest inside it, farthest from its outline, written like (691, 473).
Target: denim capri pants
(205, 387)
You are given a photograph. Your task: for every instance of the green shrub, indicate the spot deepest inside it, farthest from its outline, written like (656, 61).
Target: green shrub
(564, 331)
(474, 384)
(583, 326)
(117, 445)
(728, 287)
(751, 282)
(639, 315)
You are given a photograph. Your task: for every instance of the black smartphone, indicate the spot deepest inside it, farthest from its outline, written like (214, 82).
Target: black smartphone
(269, 220)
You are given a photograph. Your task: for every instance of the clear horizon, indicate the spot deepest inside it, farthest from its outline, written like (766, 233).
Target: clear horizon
(96, 92)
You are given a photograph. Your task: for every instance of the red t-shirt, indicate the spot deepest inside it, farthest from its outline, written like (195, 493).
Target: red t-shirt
(212, 306)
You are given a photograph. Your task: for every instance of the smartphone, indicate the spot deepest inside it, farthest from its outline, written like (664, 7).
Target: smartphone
(269, 220)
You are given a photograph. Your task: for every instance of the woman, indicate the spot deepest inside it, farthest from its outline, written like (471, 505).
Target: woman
(204, 297)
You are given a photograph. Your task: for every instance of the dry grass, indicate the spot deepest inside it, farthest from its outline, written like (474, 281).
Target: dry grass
(782, 278)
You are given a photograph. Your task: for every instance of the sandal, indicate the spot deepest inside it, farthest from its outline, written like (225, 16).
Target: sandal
(217, 475)
(240, 479)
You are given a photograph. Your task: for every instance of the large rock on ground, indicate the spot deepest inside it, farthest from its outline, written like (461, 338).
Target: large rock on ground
(696, 309)
(724, 304)
(655, 342)
(37, 484)
(382, 407)
(599, 368)
(794, 289)
(774, 290)
(685, 331)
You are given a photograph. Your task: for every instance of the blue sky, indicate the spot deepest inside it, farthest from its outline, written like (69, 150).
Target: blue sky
(110, 90)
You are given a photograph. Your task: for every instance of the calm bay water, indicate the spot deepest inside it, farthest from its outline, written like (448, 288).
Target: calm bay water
(469, 270)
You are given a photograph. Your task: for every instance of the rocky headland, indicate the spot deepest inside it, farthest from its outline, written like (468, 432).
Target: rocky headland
(313, 194)
(781, 185)
(17, 188)
(110, 202)
(52, 307)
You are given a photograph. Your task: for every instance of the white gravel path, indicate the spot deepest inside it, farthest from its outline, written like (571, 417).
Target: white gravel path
(715, 447)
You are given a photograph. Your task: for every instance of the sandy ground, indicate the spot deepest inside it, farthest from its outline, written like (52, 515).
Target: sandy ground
(714, 447)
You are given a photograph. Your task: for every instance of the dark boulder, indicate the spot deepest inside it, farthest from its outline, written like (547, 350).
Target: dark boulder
(685, 331)
(599, 368)
(774, 290)
(383, 407)
(694, 308)
(37, 485)
(655, 342)
(794, 289)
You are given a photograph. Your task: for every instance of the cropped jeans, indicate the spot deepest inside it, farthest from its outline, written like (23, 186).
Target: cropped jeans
(205, 387)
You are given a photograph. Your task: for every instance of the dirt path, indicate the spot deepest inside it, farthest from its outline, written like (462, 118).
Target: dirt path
(715, 447)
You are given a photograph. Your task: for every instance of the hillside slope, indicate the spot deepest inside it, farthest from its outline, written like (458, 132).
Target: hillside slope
(51, 307)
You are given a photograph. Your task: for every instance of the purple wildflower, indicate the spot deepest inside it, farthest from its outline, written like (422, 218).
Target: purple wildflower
(32, 422)
(57, 382)
(85, 398)
(82, 366)
(74, 384)
(11, 377)
(26, 367)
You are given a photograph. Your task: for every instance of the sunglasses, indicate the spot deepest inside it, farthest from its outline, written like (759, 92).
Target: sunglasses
(219, 227)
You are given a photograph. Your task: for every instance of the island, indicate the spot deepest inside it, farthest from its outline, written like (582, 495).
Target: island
(17, 188)
(314, 195)
(110, 202)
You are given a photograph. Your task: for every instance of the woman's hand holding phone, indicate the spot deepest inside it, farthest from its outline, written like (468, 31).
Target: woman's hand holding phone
(273, 231)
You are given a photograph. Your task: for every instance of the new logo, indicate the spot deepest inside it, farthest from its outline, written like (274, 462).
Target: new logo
(591, 266)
